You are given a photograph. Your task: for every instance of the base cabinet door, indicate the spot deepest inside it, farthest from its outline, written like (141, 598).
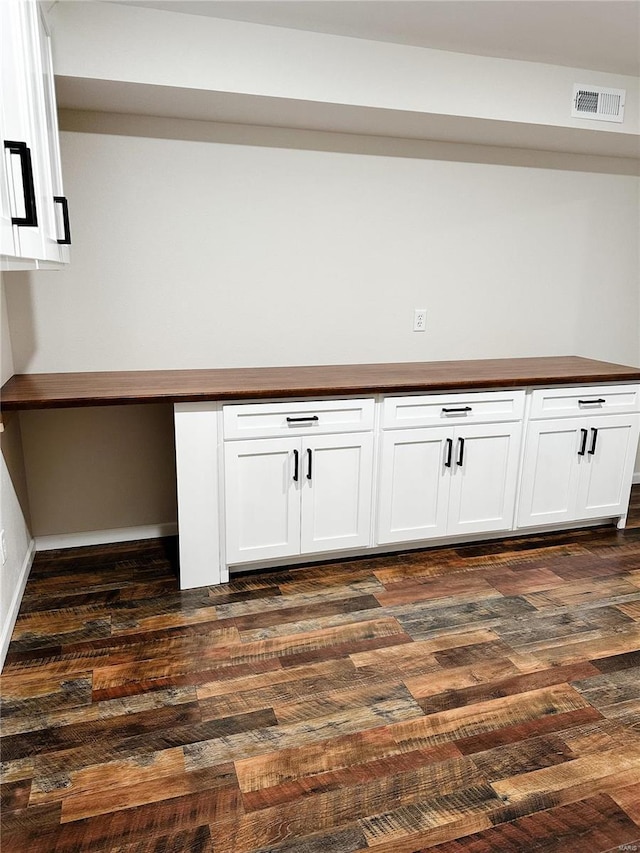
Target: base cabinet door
(290, 496)
(262, 499)
(577, 469)
(606, 468)
(414, 484)
(483, 478)
(549, 485)
(437, 482)
(337, 473)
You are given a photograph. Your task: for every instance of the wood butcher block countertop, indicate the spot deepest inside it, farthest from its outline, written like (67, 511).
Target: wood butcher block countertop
(58, 390)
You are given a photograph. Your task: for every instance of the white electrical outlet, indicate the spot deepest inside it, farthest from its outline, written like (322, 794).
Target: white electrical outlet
(420, 320)
(3, 546)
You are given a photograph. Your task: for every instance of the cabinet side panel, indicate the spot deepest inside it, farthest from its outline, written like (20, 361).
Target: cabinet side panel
(196, 430)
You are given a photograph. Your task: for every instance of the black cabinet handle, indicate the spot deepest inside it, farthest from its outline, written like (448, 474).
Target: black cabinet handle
(591, 402)
(594, 439)
(296, 465)
(309, 462)
(30, 217)
(66, 240)
(447, 461)
(583, 442)
(302, 420)
(458, 409)
(460, 458)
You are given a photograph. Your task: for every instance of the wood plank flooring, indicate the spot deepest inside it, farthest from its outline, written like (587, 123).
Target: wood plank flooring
(472, 699)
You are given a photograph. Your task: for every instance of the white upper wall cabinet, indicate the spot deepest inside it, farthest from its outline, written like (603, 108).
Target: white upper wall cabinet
(34, 220)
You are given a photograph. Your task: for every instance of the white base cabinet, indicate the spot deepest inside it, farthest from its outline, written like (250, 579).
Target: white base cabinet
(303, 494)
(577, 468)
(579, 454)
(262, 482)
(448, 481)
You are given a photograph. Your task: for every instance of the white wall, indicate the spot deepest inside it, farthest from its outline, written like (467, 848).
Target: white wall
(102, 42)
(191, 252)
(196, 254)
(100, 468)
(14, 510)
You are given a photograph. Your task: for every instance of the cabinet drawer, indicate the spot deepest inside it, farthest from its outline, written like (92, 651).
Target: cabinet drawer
(441, 409)
(264, 420)
(584, 400)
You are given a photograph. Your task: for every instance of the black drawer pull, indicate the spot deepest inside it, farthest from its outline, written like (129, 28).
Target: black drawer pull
(296, 465)
(594, 439)
(449, 453)
(458, 409)
(583, 441)
(309, 459)
(460, 458)
(302, 420)
(30, 217)
(66, 240)
(591, 402)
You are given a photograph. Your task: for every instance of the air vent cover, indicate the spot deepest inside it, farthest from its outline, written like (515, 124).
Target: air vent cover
(597, 103)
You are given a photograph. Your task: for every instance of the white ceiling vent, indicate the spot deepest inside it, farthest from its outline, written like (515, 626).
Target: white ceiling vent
(598, 103)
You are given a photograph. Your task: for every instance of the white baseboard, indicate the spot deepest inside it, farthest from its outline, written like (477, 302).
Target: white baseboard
(636, 478)
(105, 537)
(14, 607)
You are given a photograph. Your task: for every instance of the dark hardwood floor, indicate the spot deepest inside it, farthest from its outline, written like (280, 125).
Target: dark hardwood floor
(480, 698)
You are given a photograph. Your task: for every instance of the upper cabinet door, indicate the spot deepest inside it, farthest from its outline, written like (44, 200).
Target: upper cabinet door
(54, 227)
(18, 133)
(31, 195)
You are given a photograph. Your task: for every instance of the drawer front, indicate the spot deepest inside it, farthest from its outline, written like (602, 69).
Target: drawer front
(441, 409)
(584, 400)
(264, 420)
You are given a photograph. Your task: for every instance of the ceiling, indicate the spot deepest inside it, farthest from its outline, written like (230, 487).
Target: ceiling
(603, 35)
